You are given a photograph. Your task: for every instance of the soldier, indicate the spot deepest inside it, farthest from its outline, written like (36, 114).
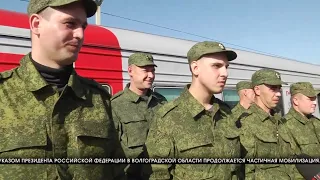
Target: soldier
(47, 109)
(246, 95)
(133, 109)
(196, 124)
(259, 135)
(301, 131)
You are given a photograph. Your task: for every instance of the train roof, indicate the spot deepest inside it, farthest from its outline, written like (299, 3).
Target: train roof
(146, 42)
(131, 40)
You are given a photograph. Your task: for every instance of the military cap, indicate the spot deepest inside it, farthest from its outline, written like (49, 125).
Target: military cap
(209, 47)
(36, 6)
(266, 76)
(141, 59)
(243, 85)
(304, 88)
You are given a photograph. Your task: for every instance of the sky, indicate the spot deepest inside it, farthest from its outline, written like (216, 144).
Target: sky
(285, 28)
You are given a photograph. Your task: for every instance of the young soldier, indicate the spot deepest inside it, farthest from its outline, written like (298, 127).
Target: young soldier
(301, 131)
(196, 124)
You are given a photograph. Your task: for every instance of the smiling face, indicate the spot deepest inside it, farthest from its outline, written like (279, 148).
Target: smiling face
(211, 71)
(142, 77)
(59, 32)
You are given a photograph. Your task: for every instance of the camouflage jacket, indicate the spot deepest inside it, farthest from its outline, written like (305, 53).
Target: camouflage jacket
(238, 108)
(184, 129)
(240, 112)
(302, 135)
(260, 139)
(132, 116)
(37, 122)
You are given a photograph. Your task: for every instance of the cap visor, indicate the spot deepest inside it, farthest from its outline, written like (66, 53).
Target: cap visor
(90, 6)
(231, 55)
(146, 65)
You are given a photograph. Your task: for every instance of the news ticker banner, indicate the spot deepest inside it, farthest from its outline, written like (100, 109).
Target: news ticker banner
(159, 161)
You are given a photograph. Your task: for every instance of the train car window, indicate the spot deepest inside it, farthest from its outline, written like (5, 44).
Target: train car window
(169, 93)
(107, 87)
(231, 97)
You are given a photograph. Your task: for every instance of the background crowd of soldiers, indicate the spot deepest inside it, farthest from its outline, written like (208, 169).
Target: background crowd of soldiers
(47, 110)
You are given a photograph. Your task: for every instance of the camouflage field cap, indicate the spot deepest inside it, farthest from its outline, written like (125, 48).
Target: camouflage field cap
(304, 88)
(208, 47)
(243, 85)
(266, 76)
(141, 59)
(36, 6)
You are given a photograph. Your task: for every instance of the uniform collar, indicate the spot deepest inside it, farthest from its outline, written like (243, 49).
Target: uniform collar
(194, 106)
(77, 86)
(239, 107)
(298, 116)
(35, 82)
(262, 115)
(133, 97)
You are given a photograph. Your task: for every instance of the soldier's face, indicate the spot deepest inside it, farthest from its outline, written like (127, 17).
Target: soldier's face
(143, 76)
(211, 72)
(306, 105)
(269, 95)
(61, 32)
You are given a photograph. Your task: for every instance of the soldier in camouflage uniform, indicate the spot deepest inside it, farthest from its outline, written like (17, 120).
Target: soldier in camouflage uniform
(47, 110)
(133, 109)
(196, 124)
(301, 131)
(246, 95)
(259, 129)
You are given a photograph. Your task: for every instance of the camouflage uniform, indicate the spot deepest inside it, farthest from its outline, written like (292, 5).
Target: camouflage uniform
(183, 128)
(301, 133)
(241, 112)
(240, 86)
(37, 122)
(133, 114)
(239, 109)
(259, 134)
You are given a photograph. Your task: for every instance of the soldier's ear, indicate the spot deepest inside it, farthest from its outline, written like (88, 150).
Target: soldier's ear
(130, 70)
(34, 22)
(194, 67)
(295, 99)
(245, 92)
(257, 90)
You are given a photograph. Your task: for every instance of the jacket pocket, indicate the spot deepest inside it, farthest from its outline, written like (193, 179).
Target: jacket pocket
(134, 131)
(27, 140)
